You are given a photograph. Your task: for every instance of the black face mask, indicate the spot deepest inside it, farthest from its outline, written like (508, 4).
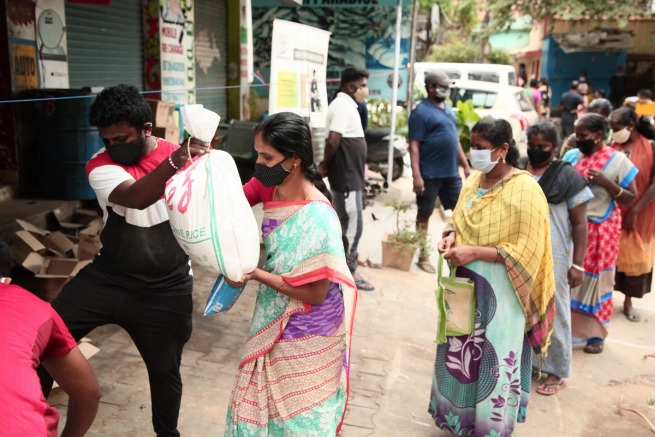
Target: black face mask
(538, 156)
(271, 176)
(585, 146)
(128, 153)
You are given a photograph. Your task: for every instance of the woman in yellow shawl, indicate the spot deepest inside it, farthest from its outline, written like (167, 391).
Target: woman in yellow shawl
(499, 237)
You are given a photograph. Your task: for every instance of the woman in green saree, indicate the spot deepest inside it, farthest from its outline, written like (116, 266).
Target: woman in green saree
(293, 378)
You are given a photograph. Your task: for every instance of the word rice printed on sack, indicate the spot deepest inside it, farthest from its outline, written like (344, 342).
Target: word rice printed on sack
(208, 212)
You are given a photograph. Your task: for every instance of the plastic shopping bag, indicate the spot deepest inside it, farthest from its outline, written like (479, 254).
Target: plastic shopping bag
(211, 217)
(222, 297)
(201, 123)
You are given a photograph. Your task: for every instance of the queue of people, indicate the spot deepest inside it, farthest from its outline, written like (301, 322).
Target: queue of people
(586, 214)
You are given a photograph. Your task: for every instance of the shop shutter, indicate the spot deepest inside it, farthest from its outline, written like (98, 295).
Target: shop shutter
(105, 44)
(211, 54)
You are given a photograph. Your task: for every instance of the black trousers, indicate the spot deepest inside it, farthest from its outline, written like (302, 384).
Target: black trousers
(159, 326)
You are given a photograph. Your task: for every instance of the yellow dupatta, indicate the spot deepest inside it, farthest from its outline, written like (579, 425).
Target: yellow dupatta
(513, 217)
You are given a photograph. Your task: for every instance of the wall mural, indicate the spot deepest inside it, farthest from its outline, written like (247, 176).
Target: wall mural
(361, 37)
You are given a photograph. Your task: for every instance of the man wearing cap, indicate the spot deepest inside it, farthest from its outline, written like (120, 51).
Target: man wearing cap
(435, 152)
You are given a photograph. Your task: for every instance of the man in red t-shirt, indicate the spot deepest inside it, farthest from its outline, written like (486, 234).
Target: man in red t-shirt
(33, 334)
(141, 280)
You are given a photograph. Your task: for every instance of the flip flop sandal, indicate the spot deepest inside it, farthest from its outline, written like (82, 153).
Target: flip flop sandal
(594, 348)
(632, 316)
(426, 266)
(542, 388)
(364, 285)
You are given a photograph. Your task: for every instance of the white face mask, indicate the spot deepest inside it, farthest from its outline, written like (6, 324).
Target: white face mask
(622, 136)
(481, 160)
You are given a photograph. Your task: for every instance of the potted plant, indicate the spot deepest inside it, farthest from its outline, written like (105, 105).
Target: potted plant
(399, 247)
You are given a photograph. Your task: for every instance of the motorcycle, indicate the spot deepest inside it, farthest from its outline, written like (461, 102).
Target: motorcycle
(377, 152)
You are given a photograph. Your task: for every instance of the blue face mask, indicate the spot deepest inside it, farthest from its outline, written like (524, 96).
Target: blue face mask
(481, 160)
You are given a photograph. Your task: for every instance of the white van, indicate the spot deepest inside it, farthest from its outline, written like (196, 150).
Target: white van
(500, 74)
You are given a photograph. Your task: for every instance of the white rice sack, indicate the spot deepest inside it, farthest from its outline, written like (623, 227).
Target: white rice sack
(201, 123)
(211, 218)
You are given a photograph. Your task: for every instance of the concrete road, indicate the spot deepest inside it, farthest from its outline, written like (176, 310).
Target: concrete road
(393, 356)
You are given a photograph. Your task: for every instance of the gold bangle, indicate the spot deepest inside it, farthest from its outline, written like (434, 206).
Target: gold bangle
(280, 287)
(620, 192)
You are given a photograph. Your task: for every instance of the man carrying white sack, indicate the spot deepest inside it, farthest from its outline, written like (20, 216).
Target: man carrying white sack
(141, 279)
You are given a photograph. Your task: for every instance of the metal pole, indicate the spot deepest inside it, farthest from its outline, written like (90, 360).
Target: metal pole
(412, 59)
(394, 92)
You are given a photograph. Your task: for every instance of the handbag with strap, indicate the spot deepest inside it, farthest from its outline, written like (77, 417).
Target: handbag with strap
(456, 304)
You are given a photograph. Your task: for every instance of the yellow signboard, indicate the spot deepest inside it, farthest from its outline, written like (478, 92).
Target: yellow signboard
(24, 67)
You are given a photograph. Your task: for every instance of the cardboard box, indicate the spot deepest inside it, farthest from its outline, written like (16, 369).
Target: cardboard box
(162, 113)
(54, 274)
(169, 133)
(53, 256)
(72, 219)
(89, 241)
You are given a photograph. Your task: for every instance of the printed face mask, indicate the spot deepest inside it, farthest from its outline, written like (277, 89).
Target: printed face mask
(361, 94)
(585, 146)
(622, 136)
(538, 156)
(481, 160)
(128, 153)
(271, 176)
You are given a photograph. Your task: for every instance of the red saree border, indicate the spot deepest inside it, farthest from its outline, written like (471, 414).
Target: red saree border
(317, 275)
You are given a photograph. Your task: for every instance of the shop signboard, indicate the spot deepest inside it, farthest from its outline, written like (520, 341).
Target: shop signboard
(25, 70)
(176, 48)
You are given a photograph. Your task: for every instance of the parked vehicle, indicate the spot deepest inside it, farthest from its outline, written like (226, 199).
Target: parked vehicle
(494, 73)
(377, 156)
(240, 139)
(501, 101)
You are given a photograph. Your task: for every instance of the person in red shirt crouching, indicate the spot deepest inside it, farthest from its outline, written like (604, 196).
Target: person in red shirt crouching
(32, 333)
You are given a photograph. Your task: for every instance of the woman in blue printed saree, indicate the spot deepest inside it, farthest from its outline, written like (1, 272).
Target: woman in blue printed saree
(611, 178)
(499, 237)
(293, 378)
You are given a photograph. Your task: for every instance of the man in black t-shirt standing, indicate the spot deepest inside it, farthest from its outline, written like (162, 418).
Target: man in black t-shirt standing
(569, 104)
(141, 279)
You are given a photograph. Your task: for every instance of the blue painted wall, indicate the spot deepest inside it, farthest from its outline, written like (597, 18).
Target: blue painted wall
(561, 68)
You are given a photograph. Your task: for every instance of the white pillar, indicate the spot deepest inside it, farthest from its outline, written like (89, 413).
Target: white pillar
(394, 92)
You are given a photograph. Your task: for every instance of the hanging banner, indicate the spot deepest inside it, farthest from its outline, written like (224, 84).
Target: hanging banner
(176, 51)
(298, 69)
(245, 57)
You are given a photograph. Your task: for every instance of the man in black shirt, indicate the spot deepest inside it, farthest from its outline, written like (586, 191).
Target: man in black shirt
(569, 104)
(141, 279)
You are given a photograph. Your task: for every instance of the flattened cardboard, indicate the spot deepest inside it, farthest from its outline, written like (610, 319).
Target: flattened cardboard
(31, 228)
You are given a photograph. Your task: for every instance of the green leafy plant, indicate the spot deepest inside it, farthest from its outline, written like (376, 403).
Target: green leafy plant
(406, 236)
(466, 119)
(379, 115)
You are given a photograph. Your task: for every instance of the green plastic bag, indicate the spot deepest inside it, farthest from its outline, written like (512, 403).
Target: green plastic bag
(456, 304)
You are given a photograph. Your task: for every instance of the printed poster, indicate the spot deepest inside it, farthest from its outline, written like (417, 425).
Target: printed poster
(299, 58)
(177, 51)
